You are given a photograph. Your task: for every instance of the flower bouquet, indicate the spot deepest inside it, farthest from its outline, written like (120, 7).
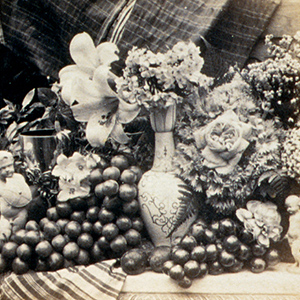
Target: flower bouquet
(226, 147)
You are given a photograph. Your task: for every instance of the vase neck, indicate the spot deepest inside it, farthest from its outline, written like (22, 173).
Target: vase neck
(164, 152)
(163, 120)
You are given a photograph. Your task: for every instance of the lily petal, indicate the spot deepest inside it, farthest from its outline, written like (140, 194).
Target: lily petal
(127, 112)
(119, 135)
(88, 99)
(84, 53)
(101, 76)
(71, 71)
(107, 53)
(98, 132)
(66, 91)
(66, 78)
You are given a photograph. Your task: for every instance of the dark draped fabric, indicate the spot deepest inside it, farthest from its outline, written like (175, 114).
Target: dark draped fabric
(39, 31)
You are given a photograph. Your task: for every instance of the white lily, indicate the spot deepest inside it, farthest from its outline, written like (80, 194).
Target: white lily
(86, 89)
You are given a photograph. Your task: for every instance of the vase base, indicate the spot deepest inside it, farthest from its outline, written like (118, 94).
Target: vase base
(166, 211)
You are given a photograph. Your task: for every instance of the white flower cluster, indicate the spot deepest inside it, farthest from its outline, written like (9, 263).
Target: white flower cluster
(159, 80)
(291, 153)
(262, 220)
(277, 79)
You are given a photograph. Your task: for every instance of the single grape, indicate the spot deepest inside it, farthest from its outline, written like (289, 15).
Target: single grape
(236, 267)
(127, 192)
(272, 257)
(167, 266)
(188, 243)
(226, 259)
(120, 161)
(209, 236)
(258, 250)
(215, 268)
(198, 254)
(105, 216)
(92, 214)
(180, 256)
(211, 252)
(176, 272)
(124, 223)
(244, 252)
(257, 265)
(103, 243)
(185, 282)
(215, 227)
(203, 269)
(197, 230)
(96, 176)
(111, 173)
(110, 231)
(191, 269)
(133, 237)
(231, 243)
(246, 237)
(227, 227)
(128, 176)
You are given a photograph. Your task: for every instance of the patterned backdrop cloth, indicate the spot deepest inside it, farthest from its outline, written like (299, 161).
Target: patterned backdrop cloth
(41, 30)
(95, 282)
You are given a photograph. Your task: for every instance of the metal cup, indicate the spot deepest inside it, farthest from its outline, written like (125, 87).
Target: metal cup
(38, 147)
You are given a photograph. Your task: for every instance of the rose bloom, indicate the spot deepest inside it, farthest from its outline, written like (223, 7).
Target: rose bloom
(223, 142)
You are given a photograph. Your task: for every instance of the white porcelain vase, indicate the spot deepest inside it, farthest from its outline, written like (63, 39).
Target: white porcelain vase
(166, 202)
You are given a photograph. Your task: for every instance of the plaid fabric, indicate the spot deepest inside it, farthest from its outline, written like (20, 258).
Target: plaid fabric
(241, 25)
(2, 41)
(41, 30)
(94, 282)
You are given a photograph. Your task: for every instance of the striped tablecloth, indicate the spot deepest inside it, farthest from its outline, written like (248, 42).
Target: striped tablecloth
(95, 282)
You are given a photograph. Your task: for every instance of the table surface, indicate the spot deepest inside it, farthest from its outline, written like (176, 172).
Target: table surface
(276, 283)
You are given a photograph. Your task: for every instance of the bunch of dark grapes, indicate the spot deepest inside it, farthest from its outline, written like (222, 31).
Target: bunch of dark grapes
(215, 249)
(82, 231)
(115, 187)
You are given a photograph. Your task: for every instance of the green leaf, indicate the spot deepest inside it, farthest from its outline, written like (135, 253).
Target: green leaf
(188, 207)
(28, 99)
(11, 131)
(47, 97)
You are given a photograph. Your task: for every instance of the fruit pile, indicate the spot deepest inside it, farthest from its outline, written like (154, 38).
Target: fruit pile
(215, 249)
(212, 249)
(81, 231)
